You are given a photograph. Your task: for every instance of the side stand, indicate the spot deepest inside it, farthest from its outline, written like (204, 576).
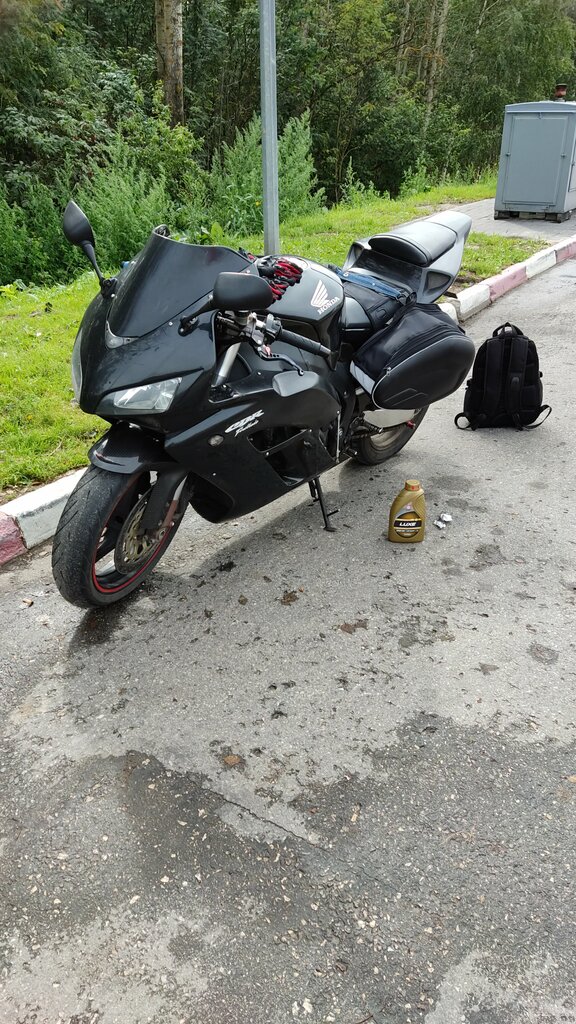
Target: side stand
(318, 495)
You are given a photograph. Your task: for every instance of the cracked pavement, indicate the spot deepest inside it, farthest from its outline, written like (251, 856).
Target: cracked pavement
(314, 777)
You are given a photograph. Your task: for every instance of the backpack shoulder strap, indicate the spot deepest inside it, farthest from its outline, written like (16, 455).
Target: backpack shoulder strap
(487, 383)
(492, 379)
(531, 426)
(515, 378)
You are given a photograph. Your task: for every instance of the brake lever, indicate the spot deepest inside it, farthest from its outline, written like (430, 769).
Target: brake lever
(271, 328)
(265, 352)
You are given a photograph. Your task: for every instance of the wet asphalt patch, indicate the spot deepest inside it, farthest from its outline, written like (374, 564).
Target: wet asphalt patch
(123, 882)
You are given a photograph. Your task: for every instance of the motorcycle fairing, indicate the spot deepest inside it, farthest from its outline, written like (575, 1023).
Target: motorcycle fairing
(270, 435)
(159, 355)
(307, 401)
(289, 410)
(126, 448)
(164, 279)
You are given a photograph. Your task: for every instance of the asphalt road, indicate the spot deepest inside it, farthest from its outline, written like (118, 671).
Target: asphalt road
(482, 214)
(312, 777)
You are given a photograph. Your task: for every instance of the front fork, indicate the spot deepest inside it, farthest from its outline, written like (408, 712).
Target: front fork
(164, 500)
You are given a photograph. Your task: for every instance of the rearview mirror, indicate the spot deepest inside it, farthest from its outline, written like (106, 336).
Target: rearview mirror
(77, 227)
(238, 292)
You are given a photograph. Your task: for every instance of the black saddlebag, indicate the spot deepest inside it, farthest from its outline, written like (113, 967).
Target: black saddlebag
(416, 360)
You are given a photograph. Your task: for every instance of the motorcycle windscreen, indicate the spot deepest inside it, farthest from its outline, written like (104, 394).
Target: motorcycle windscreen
(164, 279)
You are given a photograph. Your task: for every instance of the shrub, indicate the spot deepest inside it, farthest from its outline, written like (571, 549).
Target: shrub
(398, 148)
(355, 193)
(12, 239)
(415, 180)
(297, 179)
(124, 202)
(170, 150)
(52, 258)
(235, 185)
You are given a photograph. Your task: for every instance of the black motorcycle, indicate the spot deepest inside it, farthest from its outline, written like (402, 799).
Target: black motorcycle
(229, 380)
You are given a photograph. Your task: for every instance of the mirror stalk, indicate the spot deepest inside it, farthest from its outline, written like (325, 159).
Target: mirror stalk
(188, 323)
(107, 285)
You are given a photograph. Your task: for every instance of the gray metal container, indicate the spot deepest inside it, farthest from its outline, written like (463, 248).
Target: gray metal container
(537, 173)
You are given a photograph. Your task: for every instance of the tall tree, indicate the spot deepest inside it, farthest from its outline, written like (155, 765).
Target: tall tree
(170, 57)
(437, 58)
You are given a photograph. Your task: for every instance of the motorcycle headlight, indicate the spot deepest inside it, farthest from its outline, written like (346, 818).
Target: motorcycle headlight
(77, 367)
(156, 397)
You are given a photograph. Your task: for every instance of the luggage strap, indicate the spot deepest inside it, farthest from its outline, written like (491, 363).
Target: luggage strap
(515, 378)
(516, 375)
(374, 284)
(491, 389)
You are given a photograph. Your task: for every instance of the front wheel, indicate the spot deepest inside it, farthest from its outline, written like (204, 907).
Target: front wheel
(100, 554)
(372, 449)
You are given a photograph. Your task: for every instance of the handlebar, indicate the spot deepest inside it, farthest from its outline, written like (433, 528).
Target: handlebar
(261, 335)
(299, 341)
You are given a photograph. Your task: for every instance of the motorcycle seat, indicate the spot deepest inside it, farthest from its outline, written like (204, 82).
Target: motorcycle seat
(422, 242)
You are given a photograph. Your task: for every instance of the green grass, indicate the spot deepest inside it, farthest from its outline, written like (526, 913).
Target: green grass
(327, 236)
(42, 434)
(485, 255)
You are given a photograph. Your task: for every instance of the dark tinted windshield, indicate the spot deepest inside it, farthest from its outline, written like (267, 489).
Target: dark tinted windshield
(165, 278)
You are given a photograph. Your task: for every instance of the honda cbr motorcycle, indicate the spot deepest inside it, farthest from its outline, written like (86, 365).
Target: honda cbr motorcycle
(228, 381)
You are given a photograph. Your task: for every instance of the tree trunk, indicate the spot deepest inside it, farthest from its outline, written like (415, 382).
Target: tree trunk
(422, 73)
(437, 56)
(170, 58)
(402, 39)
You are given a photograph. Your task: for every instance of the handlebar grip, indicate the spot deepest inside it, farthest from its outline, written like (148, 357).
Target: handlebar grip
(304, 343)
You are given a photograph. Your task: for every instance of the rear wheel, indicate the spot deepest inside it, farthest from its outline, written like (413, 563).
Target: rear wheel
(372, 449)
(100, 553)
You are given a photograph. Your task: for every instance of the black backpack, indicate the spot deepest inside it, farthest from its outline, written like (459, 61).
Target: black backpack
(505, 389)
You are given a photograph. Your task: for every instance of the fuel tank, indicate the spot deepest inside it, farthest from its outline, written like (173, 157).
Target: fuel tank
(312, 307)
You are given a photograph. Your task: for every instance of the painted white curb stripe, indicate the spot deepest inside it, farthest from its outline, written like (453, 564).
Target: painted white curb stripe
(37, 513)
(450, 309)
(472, 300)
(540, 261)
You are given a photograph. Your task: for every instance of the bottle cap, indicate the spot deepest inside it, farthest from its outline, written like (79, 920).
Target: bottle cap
(412, 485)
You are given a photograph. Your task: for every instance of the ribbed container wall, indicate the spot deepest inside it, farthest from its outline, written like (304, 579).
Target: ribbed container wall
(537, 170)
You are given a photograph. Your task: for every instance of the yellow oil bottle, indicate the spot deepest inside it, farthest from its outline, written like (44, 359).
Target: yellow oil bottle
(408, 514)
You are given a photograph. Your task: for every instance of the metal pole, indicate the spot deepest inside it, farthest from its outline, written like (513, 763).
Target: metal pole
(269, 125)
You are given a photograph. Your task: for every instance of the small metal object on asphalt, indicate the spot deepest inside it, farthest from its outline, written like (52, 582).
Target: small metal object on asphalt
(445, 517)
(439, 524)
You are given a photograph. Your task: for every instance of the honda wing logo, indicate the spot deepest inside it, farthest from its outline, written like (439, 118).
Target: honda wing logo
(320, 296)
(320, 299)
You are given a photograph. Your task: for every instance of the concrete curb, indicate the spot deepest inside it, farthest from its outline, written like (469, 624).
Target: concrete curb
(479, 296)
(33, 518)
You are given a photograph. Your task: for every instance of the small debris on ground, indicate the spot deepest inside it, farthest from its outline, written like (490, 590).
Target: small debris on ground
(351, 627)
(233, 761)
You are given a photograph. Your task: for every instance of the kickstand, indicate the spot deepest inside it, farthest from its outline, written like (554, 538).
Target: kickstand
(318, 495)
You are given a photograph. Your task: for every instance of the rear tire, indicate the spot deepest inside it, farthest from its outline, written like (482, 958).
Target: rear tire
(372, 449)
(97, 532)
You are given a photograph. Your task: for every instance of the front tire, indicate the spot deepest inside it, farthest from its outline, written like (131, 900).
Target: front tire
(98, 555)
(373, 449)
